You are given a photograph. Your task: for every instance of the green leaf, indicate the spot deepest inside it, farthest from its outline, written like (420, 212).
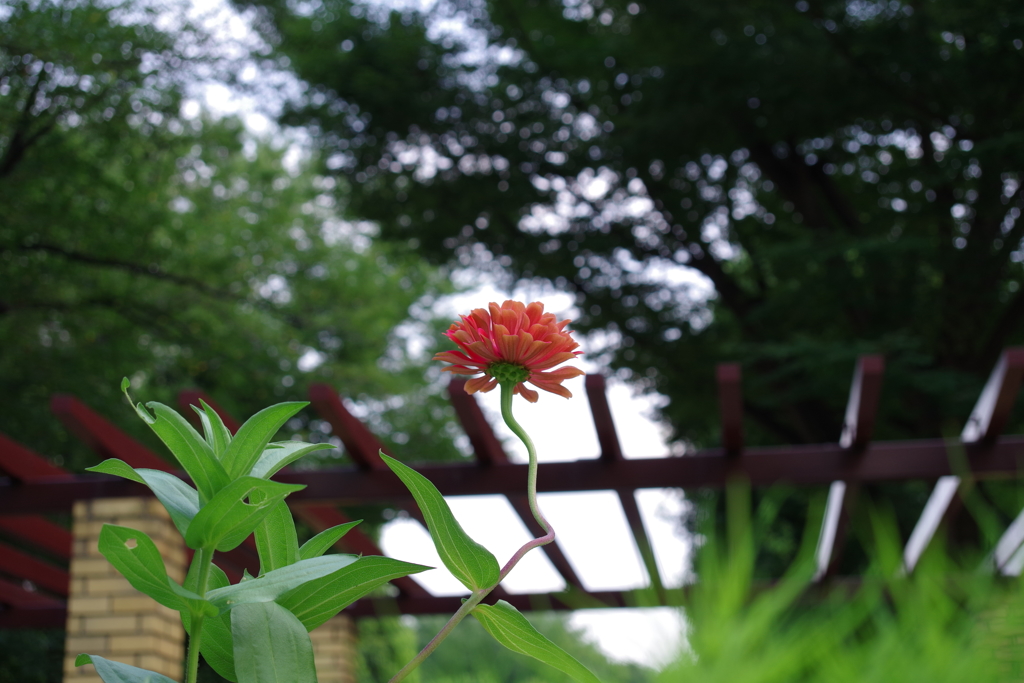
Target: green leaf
(116, 672)
(276, 542)
(252, 438)
(319, 600)
(227, 520)
(191, 451)
(511, 629)
(216, 646)
(467, 560)
(217, 434)
(273, 584)
(319, 544)
(281, 454)
(271, 646)
(135, 555)
(180, 499)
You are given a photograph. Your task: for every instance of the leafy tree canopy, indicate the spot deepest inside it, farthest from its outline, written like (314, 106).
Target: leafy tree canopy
(178, 251)
(788, 185)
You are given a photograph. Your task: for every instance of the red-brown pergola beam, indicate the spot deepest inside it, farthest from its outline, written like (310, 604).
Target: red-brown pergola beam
(814, 464)
(50, 615)
(19, 598)
(981, 432)
(858, 428)
(101, 436)
(607, 437)
(730, 406)
(38, 532)
(38, 617)
(489, 451)
(611, 453)
(23, 465)
(20, 565)
(360, 443)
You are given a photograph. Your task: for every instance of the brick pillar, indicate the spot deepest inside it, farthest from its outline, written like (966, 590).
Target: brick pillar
(106, 616)
(334, 650)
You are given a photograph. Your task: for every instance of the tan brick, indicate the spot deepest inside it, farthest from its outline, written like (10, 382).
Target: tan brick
(82, 605)
(112, 507)
(111, 625)
(145, 644)
(113, 585)
(121, 604)
(162, 665)
(169, 628)
(76, 645)
(91, 566)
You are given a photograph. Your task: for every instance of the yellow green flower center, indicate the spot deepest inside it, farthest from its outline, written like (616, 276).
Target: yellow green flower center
(508, 373)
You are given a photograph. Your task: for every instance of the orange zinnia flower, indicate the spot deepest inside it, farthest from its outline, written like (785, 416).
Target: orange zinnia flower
(513, 342)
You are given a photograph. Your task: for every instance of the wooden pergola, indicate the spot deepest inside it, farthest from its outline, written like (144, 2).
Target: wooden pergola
(34, 576)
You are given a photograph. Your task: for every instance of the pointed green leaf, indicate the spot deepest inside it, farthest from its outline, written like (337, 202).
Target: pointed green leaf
(191, 451)
(467, 560)
(319, 544)
(271, 646)
(180, 499)
(217, 434)
(281, 454)
(117, 468)
(216, 648)
(511, 629)
(276, 542)
(135, 555)
(252, 438)
(225, 521)
(319, 600)
(116, 672)
(278, 582)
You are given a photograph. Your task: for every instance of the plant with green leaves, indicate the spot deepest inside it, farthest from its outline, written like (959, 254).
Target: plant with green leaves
(257, 629)
(503, 346)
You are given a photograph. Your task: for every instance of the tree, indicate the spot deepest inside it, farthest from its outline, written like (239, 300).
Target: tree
(179, 251)
(784, 185)
(840, 178)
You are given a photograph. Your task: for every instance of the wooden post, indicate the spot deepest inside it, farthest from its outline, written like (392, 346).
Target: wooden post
(106, 616)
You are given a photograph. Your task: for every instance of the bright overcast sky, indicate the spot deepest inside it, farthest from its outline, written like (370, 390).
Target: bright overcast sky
(591, 526)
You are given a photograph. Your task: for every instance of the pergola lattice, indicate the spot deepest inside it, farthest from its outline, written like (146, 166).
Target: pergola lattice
(34, 577)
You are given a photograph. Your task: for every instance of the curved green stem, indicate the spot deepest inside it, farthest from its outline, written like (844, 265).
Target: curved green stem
(205, 559)
(478, 595)
(517, 429)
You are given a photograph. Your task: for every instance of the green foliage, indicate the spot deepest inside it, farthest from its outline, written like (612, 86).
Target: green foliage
(467, 560)
(836, 178)
(384, 645)
(271, 646)
(267, 642)
(34, 655)
(511, 629)
(322, 542)
(472, 654)
(945, 623)
(176, 250)
(116, 672)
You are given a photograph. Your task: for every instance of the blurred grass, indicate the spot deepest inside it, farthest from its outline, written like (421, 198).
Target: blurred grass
(950, 621)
